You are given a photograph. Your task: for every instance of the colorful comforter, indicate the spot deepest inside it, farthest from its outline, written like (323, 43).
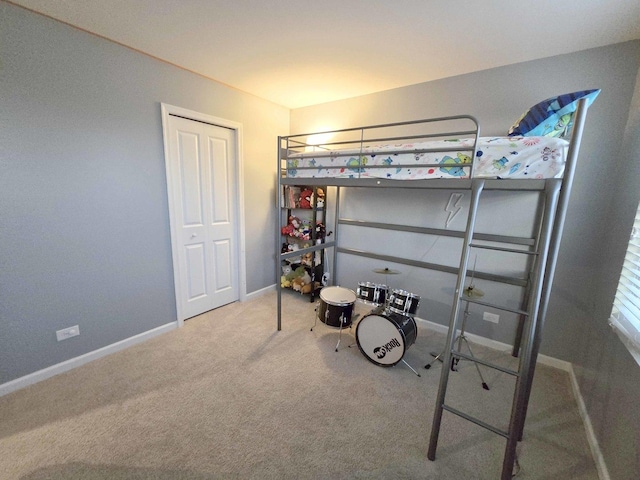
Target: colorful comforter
(496, 157)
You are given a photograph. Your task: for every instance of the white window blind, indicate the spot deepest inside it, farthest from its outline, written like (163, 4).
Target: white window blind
(625, 315)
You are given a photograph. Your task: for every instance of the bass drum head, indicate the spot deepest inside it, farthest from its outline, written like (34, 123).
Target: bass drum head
(383, 339)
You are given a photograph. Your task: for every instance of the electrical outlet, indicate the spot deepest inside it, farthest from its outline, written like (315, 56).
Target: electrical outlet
(491, 317)
(67, 333)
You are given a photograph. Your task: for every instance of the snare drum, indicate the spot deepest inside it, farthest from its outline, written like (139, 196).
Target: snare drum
(384, 337)
(372, 293)
(403, 302)
(336, 306)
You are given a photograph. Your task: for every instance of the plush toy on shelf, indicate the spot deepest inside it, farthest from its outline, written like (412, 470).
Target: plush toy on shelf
(321, 231)
(299, 285)
(306, 198)
(319, 198)
(290, 228)
(307, 259)
(300, 278)
(297, 228)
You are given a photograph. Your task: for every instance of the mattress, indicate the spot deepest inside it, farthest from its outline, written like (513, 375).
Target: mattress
(496, 157)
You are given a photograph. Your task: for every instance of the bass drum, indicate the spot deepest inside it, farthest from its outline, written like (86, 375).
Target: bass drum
(384, 337)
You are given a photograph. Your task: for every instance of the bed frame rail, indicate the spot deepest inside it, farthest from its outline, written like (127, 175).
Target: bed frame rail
(355, 141)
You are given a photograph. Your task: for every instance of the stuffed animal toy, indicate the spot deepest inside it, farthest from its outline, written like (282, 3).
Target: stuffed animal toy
(320, 230)
(288, 230)
(307, 259)
(303, 232)
(284, 283)
(319, 198)
(300, 284)
(292, 226)
(306, 198)
(308, 288)
(297, 284)
(296, 228)
(298, 272)
(299, 278)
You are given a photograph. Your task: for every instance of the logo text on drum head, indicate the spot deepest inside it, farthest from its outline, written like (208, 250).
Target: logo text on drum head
(387, 347)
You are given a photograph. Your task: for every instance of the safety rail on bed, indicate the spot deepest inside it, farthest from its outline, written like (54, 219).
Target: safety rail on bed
(387, 152)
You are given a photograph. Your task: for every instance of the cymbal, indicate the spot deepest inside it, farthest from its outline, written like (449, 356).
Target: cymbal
(386, 271)
(473, 292)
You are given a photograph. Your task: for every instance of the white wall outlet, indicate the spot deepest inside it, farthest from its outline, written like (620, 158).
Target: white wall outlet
(67, 333)
(491, 317)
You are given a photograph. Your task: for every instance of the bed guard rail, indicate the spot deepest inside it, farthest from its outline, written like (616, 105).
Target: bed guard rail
(408, 137)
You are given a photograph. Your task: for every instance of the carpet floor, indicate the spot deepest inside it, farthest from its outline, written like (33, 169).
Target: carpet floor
(229, 397)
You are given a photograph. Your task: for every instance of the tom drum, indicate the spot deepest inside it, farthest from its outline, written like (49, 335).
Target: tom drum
(372, 293)
(403, 302)
(336, 306)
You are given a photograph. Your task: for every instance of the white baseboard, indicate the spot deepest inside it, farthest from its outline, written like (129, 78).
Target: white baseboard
(259, 293)
(598, 458)
(72, 363)
(487, 342)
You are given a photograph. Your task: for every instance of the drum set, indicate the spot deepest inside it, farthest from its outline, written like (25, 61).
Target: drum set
(385, 333)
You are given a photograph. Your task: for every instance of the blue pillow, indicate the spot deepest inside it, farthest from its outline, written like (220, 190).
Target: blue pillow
(553, 117)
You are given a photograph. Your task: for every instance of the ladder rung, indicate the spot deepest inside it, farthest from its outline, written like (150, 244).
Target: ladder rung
(455, 353)
(475, 420)
(502, 249)
(493, 305)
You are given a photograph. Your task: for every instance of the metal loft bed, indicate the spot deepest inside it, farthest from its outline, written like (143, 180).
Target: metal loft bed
(305, 161)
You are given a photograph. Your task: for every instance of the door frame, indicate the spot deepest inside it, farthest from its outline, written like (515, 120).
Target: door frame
(237, 202)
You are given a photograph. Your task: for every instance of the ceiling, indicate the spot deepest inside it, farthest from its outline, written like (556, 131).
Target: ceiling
(300, 52)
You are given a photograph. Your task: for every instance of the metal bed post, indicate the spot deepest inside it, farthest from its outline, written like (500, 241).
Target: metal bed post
(554, 248)
(521, 393)
(334, 265)
(515, 352)
(279, 206)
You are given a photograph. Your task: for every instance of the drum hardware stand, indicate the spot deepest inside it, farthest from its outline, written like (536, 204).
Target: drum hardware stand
(461, 338)
(469, 292)
(386, 271)
(410, 367)
(353, 318)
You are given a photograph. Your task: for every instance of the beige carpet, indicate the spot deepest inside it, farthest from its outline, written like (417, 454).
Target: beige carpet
(229, 397)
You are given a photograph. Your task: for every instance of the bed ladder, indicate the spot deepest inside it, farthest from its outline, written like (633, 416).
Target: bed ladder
(524, 373)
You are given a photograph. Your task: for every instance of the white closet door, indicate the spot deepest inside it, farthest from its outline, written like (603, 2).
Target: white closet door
(202, 162)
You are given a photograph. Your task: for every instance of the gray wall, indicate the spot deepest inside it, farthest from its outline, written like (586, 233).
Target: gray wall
(602, 199)
(84, 224)
(609, 377)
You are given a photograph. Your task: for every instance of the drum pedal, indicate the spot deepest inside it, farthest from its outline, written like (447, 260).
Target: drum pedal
(437, 357)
